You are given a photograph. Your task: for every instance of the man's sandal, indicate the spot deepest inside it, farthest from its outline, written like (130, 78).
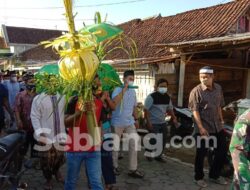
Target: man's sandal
(136, 174)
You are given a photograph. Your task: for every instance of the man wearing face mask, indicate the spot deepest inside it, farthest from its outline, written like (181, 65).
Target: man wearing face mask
(157, 104)
(125, 121)
(206, 101)
(13, 88)
(22, 109)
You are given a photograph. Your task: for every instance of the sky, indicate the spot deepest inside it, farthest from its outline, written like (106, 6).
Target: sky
(49, 13)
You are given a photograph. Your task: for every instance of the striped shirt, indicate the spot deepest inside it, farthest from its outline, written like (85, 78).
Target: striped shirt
(207, 102)
(158, 104)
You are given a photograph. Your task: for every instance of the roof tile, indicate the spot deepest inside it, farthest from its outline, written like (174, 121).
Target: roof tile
(196, 24)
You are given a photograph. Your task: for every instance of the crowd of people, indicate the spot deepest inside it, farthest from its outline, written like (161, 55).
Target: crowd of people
(56, 128)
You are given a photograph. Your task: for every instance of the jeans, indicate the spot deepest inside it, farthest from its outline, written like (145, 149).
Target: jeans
(92, 162)
(219, 158)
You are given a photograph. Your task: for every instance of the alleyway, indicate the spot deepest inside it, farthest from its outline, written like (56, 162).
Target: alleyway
(172, 175)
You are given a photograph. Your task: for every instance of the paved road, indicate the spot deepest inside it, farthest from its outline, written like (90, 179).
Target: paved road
(172, 175)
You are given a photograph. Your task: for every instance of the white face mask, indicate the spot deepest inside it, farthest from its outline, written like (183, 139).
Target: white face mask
(130, 83)
(162, 90)
(13, 79)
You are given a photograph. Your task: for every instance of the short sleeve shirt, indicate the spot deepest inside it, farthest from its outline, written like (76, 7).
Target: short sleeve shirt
(122, 116)
(158, 104)
(207, 103)
(80, 127)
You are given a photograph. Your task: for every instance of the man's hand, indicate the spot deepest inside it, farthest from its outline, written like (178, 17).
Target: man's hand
(89, 106)
(176, 123)
(78, 114)
(105, 95)
(125, 87)
(203, 132)
(42, 139)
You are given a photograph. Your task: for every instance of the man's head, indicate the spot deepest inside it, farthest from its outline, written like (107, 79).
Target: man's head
(97, 86)
(206, 75)
(129, 77)
(30, 83)
(27, 76)
(162, 86)
(13, 76)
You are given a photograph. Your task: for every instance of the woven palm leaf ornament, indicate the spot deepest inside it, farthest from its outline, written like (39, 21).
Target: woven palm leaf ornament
(81, 54)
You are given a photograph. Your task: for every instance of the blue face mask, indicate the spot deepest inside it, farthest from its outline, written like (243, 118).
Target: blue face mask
(162, 90)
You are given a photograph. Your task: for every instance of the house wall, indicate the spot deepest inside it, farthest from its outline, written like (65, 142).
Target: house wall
(145, 82)
(172, 85)
(242, 25)
(144, 79)
(170, 72)
(19, 48)
(231, 80)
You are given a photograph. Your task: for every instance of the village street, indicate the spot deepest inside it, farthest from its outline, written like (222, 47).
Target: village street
(172, 175)
(176, 70)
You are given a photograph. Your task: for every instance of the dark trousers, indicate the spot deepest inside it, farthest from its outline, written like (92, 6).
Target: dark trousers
(219, 157)
(2, 124)
(107, 167)
(51, 161)
(159, 129)
(29, 142)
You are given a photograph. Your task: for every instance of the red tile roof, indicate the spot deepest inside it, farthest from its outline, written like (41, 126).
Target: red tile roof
(197, 24)
(39, 53)
(23, 35)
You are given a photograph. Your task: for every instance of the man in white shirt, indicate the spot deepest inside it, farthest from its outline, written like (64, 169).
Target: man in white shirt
(47, 116)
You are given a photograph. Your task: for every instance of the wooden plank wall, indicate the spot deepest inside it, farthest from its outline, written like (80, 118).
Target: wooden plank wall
(231, 80)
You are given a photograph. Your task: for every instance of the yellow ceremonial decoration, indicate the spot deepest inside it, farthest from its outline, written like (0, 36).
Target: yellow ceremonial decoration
(78, 66)
(81, 55)
(82, 64)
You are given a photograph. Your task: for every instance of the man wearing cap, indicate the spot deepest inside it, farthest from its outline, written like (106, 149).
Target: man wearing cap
(125, 121)
(206, 101)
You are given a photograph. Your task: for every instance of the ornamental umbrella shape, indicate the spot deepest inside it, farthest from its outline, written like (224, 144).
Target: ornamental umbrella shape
(51, 69)
(102, 31)
(109, 77)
